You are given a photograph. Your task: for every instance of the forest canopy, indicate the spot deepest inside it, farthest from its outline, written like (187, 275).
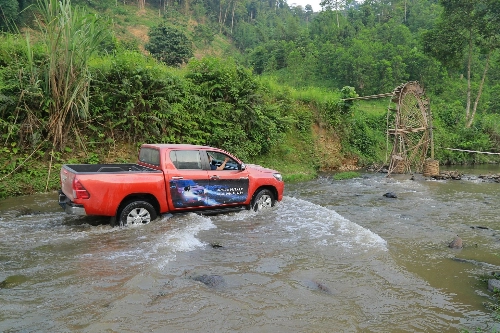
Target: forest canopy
(243, 75)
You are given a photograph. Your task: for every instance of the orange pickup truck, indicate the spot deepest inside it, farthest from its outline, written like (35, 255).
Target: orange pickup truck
(168, 178)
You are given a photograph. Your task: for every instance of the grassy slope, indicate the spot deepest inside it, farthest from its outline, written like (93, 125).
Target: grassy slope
(300, 156)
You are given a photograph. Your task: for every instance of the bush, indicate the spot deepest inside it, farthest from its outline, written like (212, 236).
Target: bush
(135, 99)
(364, 136)
(169, 45)
(237, 111)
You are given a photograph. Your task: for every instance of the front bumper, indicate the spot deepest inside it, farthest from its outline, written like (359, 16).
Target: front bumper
(69, 206)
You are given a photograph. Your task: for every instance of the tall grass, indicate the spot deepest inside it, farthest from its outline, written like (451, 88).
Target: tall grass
(70, 36)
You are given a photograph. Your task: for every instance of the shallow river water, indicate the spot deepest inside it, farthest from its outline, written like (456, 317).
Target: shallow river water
(333, 256)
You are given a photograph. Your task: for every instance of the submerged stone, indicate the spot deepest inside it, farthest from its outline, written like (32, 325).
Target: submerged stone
(212, 281)
(456, 243)
(13, 281)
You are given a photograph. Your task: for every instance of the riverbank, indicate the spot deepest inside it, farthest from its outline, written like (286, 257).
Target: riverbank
(42, 175)
(297, 157)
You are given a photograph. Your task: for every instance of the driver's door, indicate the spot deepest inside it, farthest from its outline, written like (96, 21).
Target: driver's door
(227, 186)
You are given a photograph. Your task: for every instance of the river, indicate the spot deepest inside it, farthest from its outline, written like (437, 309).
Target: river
(333, 256)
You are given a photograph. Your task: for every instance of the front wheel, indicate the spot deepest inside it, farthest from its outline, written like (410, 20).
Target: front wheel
(137, 212)
(262, 200)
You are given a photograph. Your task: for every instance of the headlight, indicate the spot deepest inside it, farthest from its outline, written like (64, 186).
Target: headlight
(278, 176)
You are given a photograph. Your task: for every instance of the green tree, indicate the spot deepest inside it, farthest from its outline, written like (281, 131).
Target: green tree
(335, 5)
(169, 45)
(8, 13)
(464, 27)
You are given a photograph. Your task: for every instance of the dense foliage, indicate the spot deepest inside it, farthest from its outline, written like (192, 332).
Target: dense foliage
(254, 77)
(8, 13)
(214, 102)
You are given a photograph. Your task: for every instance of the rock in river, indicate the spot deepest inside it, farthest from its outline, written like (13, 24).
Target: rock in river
(456, 243)
(212, 281)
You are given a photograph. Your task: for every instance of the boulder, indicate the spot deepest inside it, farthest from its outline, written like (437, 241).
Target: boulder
(456, 243)
(212, 281)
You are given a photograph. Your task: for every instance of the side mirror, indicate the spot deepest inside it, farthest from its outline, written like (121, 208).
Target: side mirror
(187, 188)
(241, 166)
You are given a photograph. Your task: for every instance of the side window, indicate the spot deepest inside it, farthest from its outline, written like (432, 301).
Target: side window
(219, 161)
(186, 159)
(150, 156)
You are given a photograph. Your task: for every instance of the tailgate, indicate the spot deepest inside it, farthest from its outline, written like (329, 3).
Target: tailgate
(67, 178)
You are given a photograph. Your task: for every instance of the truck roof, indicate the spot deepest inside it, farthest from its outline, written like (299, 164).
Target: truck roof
(176, 146)
(171, 146)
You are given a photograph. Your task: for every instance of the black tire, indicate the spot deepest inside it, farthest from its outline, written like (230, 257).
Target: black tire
(137, 212)
(262, 200)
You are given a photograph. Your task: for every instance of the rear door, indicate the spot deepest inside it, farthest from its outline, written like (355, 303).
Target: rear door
(228, 184)
(187, 180)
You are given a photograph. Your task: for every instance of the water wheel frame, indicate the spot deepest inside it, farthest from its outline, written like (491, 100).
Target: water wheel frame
(409, 113)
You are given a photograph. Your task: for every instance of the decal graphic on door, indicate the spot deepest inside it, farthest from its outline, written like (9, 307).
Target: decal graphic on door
(190, 193)
(227, 191)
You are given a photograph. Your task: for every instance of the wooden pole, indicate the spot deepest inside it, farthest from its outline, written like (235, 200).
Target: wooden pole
(473, 151)
(431, 135)
(369, 97)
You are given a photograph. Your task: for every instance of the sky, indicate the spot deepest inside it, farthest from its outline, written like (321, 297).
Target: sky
(314, 3)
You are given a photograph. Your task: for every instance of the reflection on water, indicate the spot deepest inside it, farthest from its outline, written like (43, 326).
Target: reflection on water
(332, 256)
(478, 169)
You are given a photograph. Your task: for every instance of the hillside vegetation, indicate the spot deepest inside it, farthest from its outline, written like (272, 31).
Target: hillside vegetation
(89, 81)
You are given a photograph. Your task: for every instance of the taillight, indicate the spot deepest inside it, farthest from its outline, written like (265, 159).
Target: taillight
(79, 192)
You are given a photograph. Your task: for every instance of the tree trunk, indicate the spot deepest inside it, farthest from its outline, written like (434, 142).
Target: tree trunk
(224, 19)
(469, 65)
(337, 12)
(405, 11)
(220, 11)
(476, 102)
(232, 17)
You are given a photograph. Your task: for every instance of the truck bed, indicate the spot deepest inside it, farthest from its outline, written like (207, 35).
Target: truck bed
(109, 168)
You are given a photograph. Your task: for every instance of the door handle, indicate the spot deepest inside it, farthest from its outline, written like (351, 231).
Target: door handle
(243, 177)
(176, 178)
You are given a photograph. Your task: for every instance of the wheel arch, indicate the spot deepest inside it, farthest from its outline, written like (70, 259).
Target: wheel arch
(271, 188)
(139, 197)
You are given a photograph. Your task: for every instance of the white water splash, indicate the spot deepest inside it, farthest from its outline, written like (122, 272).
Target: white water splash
(182, 238)
(304, 219)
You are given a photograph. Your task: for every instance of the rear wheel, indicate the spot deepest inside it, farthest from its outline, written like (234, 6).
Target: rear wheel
(262, 200)
(137, 212)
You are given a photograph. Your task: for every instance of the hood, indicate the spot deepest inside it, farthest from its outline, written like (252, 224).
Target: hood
(257, 167)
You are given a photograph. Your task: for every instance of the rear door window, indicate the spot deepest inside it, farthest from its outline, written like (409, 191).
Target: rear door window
(150, 156)
(186, 159)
